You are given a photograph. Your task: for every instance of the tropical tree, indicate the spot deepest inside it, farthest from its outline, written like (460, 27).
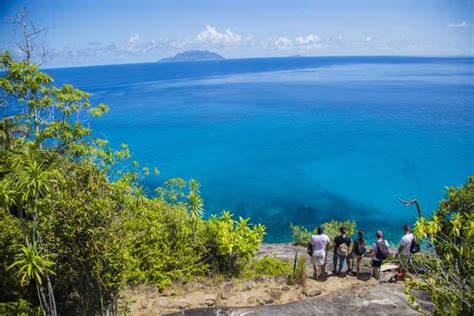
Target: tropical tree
(194, 204)
(444, 269)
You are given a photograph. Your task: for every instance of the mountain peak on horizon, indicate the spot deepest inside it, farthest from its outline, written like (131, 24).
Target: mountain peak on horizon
(192, 55)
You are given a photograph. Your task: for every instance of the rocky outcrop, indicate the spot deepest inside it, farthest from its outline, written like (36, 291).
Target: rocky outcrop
(379, 299)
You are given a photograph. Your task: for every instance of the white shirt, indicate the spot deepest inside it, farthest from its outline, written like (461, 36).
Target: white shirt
(406, 243)
(374, 247)
(319, 243)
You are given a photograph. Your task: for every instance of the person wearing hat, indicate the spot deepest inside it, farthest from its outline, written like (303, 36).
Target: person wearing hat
(379, 253)
(319, 245)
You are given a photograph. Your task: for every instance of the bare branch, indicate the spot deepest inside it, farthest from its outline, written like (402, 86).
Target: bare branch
(24, 27)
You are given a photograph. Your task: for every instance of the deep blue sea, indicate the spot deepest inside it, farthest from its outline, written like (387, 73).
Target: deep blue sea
(301, 140)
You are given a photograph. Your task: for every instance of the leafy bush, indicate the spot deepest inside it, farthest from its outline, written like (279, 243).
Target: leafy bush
(159, 245)
(19, 308)
(230, 244)
(10, 242)
(444, 270)
(301, 235)
(299, 276)
(268, 266)
(332, 229)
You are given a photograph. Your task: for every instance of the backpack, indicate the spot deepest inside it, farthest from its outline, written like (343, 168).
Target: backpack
(382, 250)
(359, 249)
(310, 249)
(343, 250)
(414, 246)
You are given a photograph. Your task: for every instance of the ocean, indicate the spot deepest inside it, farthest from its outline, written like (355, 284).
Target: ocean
(300, 140)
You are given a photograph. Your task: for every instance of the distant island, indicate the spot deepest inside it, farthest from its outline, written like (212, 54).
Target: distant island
(193, 55)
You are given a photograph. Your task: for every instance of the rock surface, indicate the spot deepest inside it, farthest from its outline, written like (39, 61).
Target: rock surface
(334, 294)
(382, 299)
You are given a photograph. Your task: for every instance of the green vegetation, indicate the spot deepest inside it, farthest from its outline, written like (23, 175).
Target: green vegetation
(299, 276)
(444, 271)
(301, 235)
(268, 266)
(76, 225)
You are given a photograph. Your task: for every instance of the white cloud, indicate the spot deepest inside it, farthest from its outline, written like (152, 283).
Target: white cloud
(213, 37)
(134, 39)
(461, 24)
(369, 39)
(308, 40)
(134, 43)
(283, 42)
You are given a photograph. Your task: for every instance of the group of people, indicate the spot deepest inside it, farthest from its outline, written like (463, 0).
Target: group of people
(344, 252)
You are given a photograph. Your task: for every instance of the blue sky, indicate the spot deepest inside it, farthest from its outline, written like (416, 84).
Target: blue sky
(90, 32)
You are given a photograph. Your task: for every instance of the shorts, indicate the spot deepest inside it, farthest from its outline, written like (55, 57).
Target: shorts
(376, 263)
(318, 260)
(404, 260)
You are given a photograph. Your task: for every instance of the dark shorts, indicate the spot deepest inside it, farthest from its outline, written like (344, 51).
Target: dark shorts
(376, 263)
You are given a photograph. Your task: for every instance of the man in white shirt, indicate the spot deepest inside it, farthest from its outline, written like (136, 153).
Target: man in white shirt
(318, 259)
(404, 250)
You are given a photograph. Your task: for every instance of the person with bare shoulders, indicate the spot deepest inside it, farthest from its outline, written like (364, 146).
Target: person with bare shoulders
(379, 253)
(358, 250)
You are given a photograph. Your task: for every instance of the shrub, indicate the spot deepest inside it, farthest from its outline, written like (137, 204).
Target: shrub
(301, 235)
(299, 276)
(231, 244)
(332, 229)
(268, 266)
(159, 245)
(444, 269)
(19, 308)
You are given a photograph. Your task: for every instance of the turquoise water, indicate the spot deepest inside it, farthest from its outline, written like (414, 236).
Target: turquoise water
(300, 140)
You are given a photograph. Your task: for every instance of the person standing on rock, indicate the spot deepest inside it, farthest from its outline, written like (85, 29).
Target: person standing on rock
(341, 250)
(319, 244)
(358, 250)
(379, 253)
(404, 250)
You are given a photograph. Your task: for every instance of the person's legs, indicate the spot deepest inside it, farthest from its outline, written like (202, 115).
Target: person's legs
(318, 266)
(314, 262)
(334, 262)
(376, 266)
(404, 265)
(359, 259)
(341, 263)
(348, 263)
(404, 262)
(375, 272)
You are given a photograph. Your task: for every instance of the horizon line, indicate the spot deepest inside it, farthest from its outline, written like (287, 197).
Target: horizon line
(260, 57)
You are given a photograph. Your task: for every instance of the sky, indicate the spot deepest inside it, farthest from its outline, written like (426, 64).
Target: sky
(94, 32)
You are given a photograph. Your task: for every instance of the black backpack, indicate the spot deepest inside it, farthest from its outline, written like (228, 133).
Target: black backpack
(310, 249)
(414, 247)
(359, 249)
(382, 250)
